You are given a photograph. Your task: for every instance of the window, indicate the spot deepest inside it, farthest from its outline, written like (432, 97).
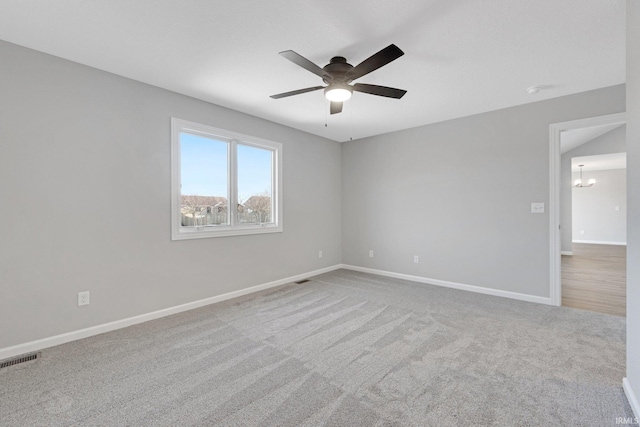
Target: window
(223, 183)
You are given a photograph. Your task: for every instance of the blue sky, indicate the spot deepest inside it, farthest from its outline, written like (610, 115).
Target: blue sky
(204, 167)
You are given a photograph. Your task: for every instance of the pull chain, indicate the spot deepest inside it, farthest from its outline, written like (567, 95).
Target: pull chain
(351, 125)
(325, 116)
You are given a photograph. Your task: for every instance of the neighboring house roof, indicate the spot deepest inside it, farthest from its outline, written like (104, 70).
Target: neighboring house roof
(193, 200)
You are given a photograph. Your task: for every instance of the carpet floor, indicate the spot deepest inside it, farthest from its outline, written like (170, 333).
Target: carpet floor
(344, 349)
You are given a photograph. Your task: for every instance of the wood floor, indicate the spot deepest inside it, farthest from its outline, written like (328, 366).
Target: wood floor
(595, 278)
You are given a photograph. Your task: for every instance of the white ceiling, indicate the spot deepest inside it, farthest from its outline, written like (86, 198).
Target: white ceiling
(599, 162)
(573, 138)
(461, 57)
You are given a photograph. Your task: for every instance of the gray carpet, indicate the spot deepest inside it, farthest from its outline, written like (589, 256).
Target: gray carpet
(344, 349)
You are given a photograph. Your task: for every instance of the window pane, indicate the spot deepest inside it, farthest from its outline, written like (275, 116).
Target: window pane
(255, 192)
(204, 181)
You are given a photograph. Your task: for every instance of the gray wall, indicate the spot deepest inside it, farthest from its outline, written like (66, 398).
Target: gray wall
(595, 218)
(633, 197)
(610, 142)
(458, 194)
(85, 201)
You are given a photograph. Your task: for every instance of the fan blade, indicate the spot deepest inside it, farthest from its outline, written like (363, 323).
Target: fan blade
(303, 62)
(389, 92)
(336, 107)
(375, 61)
(296, 92)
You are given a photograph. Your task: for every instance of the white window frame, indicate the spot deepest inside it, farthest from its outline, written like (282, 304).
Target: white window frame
(178, 232)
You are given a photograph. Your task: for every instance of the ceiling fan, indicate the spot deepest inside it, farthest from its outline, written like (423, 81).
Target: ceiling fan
(338, 74)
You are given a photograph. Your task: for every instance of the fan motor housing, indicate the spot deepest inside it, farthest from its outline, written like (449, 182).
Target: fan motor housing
(337, 68)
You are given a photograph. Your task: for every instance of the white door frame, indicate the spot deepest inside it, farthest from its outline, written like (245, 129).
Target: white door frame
(555, 131)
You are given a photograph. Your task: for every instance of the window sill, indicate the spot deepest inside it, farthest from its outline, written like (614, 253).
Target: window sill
(208, 232)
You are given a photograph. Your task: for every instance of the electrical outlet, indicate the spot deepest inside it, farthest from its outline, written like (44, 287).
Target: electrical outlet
(83, 298)
(416, 259)
(319, 254)
(370, 253)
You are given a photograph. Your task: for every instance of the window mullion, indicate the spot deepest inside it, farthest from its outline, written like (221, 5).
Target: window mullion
(233, 183)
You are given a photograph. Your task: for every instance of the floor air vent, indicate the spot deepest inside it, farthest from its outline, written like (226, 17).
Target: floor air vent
(18, 360)
(300, 282)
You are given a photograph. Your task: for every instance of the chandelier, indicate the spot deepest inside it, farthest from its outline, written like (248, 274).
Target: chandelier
(579, 182)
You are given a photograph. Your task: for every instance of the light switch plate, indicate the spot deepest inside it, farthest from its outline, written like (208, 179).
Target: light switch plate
(537, 207)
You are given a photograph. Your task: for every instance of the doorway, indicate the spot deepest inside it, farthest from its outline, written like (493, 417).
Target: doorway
(560, 179)
(593, 267)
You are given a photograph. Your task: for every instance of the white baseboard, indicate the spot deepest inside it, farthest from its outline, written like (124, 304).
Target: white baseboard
(454, 285)
(631, 397)
(566, 252)
(123, 323)
(600, 242)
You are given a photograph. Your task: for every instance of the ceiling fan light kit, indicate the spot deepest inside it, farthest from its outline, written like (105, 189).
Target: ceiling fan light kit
(338, 74)
(338, 92)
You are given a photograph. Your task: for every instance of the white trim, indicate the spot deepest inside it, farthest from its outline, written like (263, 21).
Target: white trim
(631, 397)
(123, 323)
(453, 285)
(555, 292)
(600, 242)
(555, 131)
(566, 252)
